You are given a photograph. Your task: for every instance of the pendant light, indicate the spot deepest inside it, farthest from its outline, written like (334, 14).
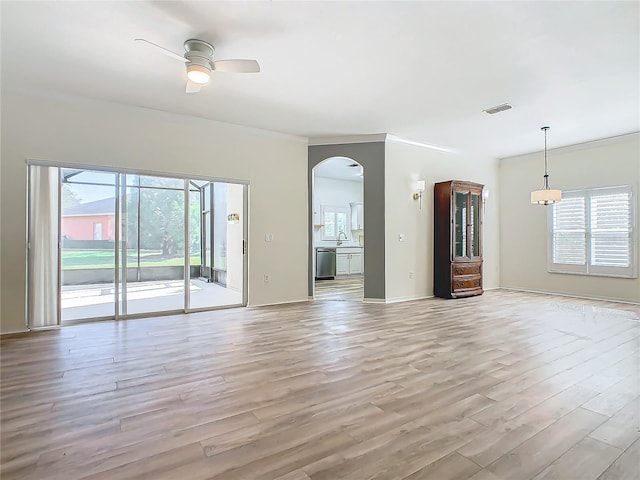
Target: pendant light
(545, 196)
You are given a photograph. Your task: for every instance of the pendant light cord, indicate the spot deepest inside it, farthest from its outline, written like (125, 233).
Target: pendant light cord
(546, 168)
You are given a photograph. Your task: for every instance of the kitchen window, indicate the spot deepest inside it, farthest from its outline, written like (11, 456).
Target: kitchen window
(336, 221)
(592, 233)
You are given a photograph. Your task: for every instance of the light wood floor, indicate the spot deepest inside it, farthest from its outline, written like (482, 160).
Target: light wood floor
(342, 289)
(506, 386)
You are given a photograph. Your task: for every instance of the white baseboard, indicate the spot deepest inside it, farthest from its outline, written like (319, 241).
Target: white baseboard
(45, 328)
(374, 300)
(15, 331)
(545, 292)
(286, 302)
(407, 299)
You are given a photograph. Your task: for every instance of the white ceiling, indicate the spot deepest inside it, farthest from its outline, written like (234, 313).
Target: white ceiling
(422, 71)
(339, 168)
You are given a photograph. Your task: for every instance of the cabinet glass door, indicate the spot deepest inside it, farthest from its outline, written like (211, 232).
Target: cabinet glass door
(474, 226)
(460, 224)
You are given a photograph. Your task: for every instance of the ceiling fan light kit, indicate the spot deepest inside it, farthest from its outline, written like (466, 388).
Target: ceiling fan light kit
(198, 56)
(199, 62)
(198, 74)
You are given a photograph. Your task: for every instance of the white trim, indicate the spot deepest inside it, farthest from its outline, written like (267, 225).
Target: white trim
(374, 300)
(570, 295)
(15, 332)
(286, 302)
(44, 328)
(375, 137)
(407, 299)
(393, 138)
(340, 140)
(601, 142)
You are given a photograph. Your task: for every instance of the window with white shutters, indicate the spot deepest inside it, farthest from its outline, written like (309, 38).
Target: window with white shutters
(592, 233)
(569, 231)
(335, 221)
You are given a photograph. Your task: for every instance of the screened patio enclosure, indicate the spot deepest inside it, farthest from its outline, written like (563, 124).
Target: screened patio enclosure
(134, 244)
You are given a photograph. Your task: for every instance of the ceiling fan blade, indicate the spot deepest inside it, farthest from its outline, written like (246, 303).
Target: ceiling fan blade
(192, 87)
(168, 53)
(236, 66)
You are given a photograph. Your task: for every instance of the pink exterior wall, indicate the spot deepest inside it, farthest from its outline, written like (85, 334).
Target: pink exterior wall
(81, 227)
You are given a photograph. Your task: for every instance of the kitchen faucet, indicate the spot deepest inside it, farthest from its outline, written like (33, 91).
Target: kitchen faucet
(339, 242)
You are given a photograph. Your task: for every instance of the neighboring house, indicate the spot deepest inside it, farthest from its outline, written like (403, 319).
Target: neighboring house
(90, 221)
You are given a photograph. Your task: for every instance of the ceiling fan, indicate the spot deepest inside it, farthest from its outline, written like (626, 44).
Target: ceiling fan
(199, 61)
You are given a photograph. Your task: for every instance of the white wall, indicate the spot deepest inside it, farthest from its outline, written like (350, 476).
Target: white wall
(339, 193)
(103, 134)
(523, 233)
(404, 164)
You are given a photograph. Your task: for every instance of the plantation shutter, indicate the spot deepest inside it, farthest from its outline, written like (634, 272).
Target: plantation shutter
(611, 228)
(592, 232)
(569, 231)
(329, 221)
(335, 221)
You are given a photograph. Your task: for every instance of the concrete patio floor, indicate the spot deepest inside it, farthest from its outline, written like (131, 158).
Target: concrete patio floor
(95, 301)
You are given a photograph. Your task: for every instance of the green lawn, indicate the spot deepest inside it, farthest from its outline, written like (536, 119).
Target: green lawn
(77, 259)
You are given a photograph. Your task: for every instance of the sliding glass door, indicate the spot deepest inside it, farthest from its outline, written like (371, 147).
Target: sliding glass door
(88, 239)
(130, 244)
(220, 278)
(153, 244)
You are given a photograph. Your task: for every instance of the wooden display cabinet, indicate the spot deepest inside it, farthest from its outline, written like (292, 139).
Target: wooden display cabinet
(457, 251)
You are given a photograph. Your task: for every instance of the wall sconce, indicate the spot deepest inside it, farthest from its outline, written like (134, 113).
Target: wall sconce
(420, 187)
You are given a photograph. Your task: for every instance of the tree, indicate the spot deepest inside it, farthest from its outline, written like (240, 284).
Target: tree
(161, 219)
(70, 197)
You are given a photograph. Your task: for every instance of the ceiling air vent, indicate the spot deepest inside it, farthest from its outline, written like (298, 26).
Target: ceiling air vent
(499, 108)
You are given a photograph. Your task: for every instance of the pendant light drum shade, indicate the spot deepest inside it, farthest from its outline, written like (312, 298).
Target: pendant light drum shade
(545, 196)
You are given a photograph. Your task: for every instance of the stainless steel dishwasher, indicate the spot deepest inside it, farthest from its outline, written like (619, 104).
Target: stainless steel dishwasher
(325, 263)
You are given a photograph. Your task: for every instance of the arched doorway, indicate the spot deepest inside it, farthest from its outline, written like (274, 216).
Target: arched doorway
(338, 229)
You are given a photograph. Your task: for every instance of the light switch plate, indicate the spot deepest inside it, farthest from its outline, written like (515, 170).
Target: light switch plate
(401, 237)
(268, 237)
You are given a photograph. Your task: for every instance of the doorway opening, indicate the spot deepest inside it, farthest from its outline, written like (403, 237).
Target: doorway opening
(338, 229)
(113, 244)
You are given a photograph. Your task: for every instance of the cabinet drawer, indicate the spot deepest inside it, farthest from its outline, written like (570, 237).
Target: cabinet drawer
(466, 283)
(465, 269)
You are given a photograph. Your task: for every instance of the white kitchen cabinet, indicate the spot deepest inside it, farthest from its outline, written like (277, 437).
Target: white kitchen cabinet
(355, 263)
(349, 262)
(357, 216)
(342, 263)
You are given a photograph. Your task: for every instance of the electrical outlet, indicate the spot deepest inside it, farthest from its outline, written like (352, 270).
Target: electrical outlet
(268, 237)
(410, 274)
(266, 278)
(401, 237)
